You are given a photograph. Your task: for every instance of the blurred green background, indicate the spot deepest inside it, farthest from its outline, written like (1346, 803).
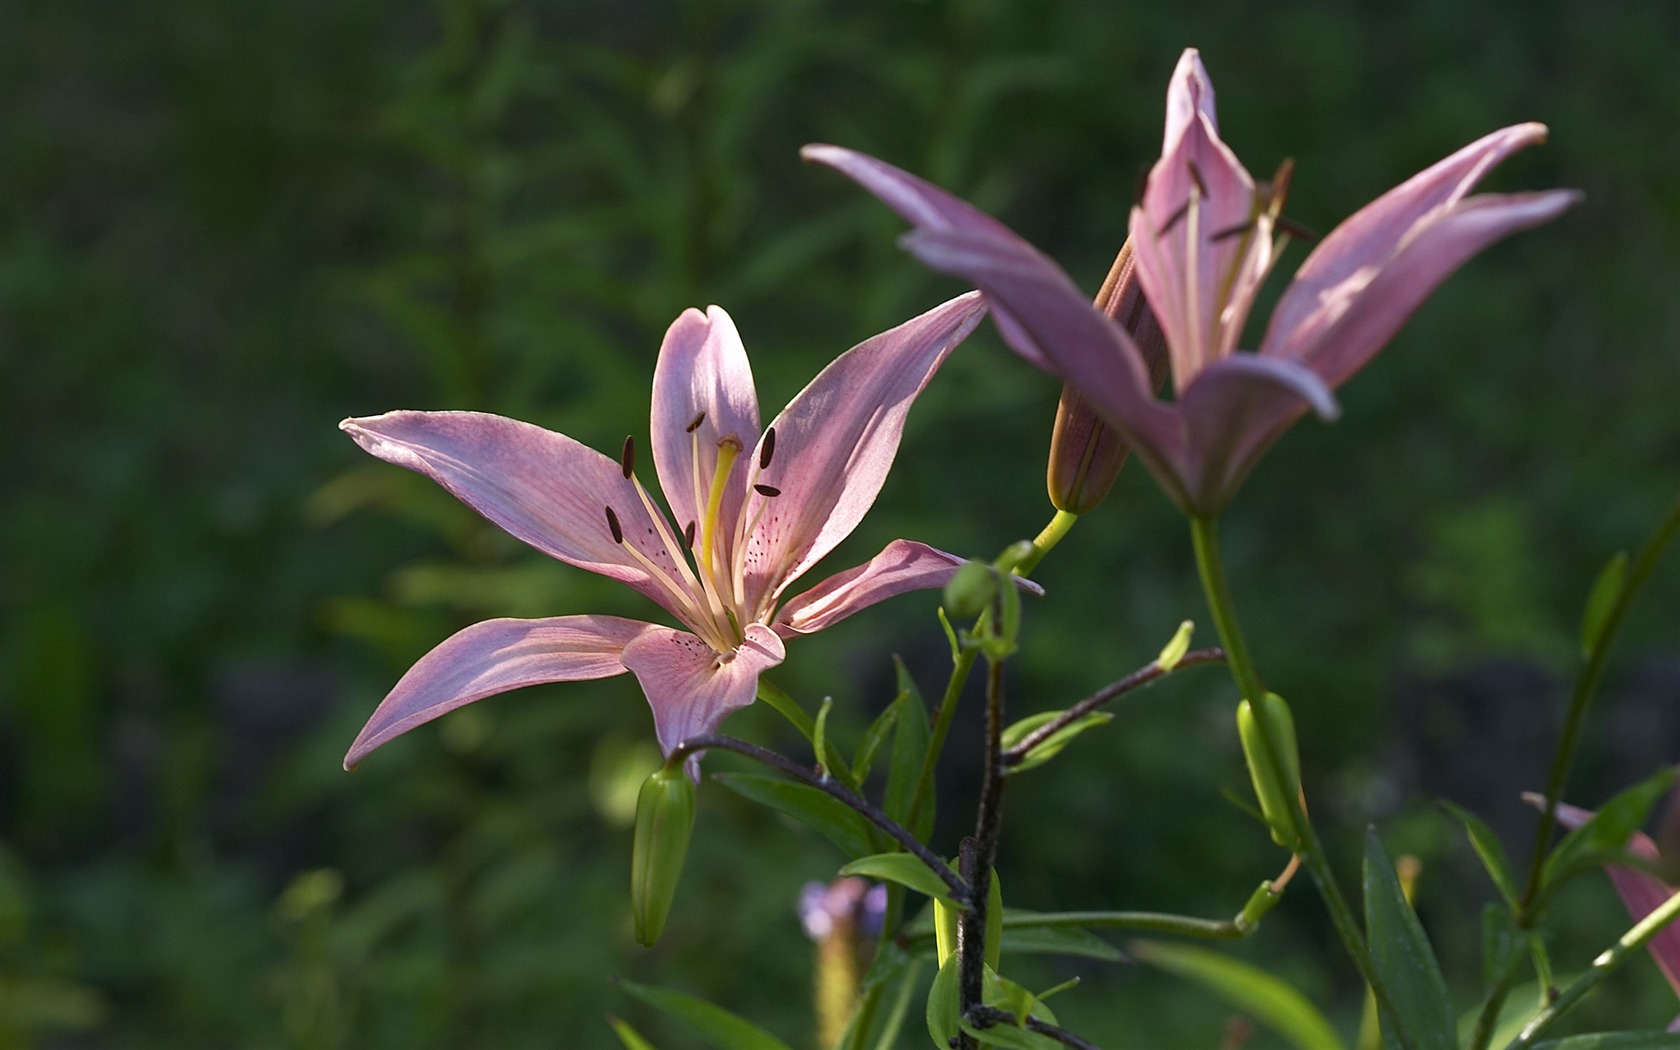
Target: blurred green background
(225, 226)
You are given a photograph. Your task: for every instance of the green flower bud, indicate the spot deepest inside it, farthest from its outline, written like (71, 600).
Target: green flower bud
(664, 819)
(971, 590)
(1276, 785)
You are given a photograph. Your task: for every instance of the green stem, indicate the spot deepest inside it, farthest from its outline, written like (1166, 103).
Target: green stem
(1585, 685)
(1052, 534)
(1602, 967)
(1204, 534)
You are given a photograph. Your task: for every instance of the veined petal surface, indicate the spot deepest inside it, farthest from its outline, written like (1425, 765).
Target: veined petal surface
(836, 441)
(690, 686)
(702, 368)
(1233, 412)
(541, 487)
(494, 657)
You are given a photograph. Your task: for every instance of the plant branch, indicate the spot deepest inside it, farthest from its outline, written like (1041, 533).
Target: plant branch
(980, 852)
(1602, 967)
(1585, 685)
(1136, 680)
(842, 794)
(991, 1017)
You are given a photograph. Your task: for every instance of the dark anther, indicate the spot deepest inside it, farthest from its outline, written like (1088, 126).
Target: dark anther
(1174, 219)
(1231, 231)
(1295, 229)
(767, 449)
(1196, 177)
(688, 536)
(694, 424)
(627, 458)
(767, 490)
(613, 525)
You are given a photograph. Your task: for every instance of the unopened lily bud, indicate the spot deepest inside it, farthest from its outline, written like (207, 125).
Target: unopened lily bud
(1277, 785)
(1085, 453)
(664, 819)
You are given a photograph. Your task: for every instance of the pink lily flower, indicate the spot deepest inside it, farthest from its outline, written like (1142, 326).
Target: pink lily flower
(750, 511)
(1642, 892)
(1205, 234)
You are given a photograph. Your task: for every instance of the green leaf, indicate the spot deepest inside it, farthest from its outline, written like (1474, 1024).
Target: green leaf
(873, 738)
(910, 747)
(944, 1005)
(1488, 848)
(813, 807)
(1012, 1038)
(1403, 958)
(903, 869)
(712, 1023)
(631, 1038)
(1503, 945)
(1052, 745)
(1248, 988)
(900, 1008)
(1615, 1041)
(1601, 602)
(1603, 837)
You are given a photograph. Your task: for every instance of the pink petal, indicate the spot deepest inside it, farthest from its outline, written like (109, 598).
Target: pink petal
(1358, 317)
(690, 686)
(1189, 94)
(836, 440)
(1200, 278)
(902, 565)
(1057, 324)
(539, 486)
(494, 657)
(1343, 265)
(702, 369)
(1233, 411)
(927, 207)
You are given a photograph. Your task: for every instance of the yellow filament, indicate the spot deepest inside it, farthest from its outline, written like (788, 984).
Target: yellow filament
(696, 587)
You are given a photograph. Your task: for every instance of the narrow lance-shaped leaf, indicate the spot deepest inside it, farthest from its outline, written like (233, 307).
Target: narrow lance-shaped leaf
(1403, 959)
(1607, 832)
(711, 1022)
(1488, 848)
(1601, 601)
(1248, 988)
(903, 869)
(839, 824)
(910, 747)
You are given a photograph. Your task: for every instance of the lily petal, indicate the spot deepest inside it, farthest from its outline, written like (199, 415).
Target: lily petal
(494, 657)
(927, 207)
(541, 487)
(1198, 266)
(1058, 324)
(836, 441)
(692, 688)
(1233, 412)
(1642, 892)
(1344, 263)
(902, 565)
(1357, 317)
(702, 368)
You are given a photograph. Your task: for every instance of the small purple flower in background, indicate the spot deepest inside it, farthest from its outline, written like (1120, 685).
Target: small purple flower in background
(751, 511)
(1203, 234)
(1642, 892)
(842, 917)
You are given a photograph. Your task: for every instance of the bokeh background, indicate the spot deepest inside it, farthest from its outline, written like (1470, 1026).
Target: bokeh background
(225, 226)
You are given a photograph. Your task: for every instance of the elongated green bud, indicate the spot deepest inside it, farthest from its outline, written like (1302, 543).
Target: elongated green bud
(664, 819)
(1276, 785)
(1085, 453)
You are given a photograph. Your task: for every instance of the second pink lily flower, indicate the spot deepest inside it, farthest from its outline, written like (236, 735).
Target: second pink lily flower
(751, 509)
(1205, 234)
